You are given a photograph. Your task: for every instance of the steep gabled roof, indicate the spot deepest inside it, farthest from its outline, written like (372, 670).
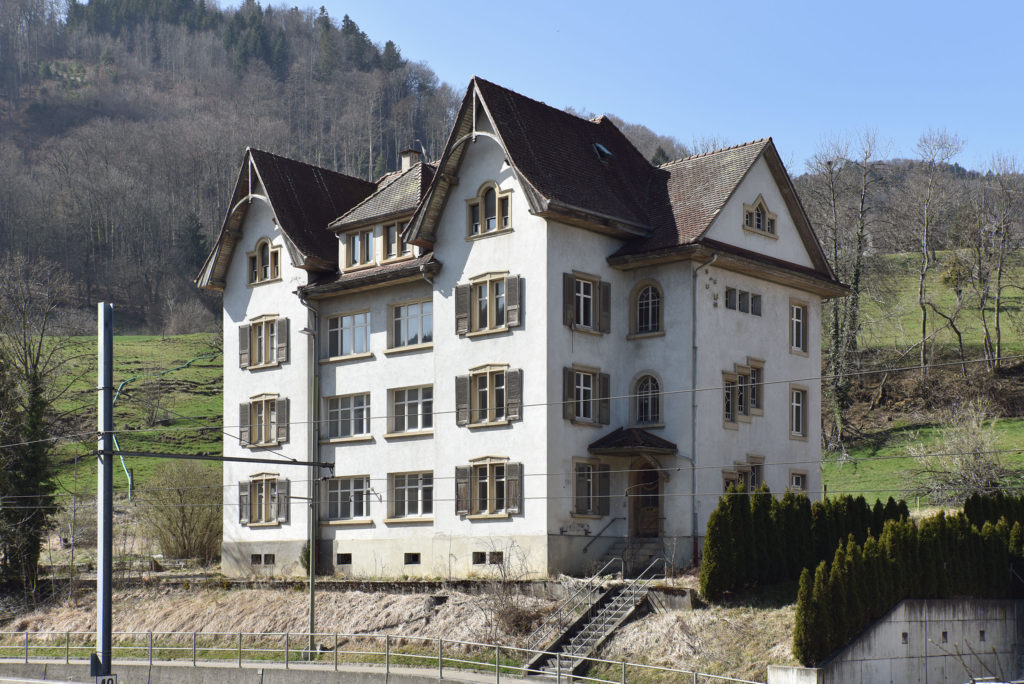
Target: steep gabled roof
(397, 194)
(303, 198)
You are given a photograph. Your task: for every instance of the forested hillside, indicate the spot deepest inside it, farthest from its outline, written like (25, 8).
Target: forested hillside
(123, 122)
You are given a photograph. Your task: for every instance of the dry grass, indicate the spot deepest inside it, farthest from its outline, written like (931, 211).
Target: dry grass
(737, 641)
(208, 611)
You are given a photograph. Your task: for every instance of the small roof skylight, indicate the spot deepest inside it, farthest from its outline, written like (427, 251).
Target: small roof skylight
(603, 153)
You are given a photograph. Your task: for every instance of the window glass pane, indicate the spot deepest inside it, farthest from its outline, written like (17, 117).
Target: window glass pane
(428, 321)
(744, 301)
(265, 262)
(499, 395)
(481, 306)
(490, 211)
(755, 304)
(503, 212)
(474, 219)
(498, 287)
(390, 240)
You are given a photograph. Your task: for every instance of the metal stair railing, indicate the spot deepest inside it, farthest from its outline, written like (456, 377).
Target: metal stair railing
(581, 600)
(603, 530)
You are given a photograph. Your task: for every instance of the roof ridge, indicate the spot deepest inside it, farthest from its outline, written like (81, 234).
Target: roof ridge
(596, 120)
(307, 164)
(718, 151)
(381, 187)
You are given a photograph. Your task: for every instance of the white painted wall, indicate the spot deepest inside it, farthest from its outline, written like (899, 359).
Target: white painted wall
(243, 302)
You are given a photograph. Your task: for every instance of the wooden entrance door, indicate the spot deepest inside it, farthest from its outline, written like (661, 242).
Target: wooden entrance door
(645, 501)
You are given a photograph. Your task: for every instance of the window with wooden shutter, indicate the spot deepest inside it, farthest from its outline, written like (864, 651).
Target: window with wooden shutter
(604, 306)
(513, 298)
(488, 395)
(243, 503)
(243, 424)
(282, 340)
(462, 304)
(462, 400)
(282, 420)
(514, 389)
(283, 500)
(243, 346)
(462, 489)
(604, 403)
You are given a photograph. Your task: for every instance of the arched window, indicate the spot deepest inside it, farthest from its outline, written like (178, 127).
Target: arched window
(648, 400)
(648, 310)
(264, 263)
(489, 210)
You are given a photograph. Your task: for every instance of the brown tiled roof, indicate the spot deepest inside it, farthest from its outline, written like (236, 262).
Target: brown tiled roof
(555, 151)
(632, 438)
(687, 194)
(306, 198)
(397, 193)
(339, 282)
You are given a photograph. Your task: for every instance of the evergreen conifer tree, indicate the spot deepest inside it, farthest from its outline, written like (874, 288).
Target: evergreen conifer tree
(716, 563)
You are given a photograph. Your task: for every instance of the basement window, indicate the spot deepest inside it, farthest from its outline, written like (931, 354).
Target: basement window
(981, 635)
(905, 638)
(256, 559)
(412, 559)
(479, 557)
(496, 557)
(344, 559)
(268, 559)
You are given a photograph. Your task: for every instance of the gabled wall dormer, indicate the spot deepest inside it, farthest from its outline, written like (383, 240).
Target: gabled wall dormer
(758, 219)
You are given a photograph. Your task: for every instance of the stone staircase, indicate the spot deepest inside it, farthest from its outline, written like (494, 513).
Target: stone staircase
(578, 639)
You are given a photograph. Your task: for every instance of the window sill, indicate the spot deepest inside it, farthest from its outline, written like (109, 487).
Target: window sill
(257, 283)
(347, 440)
(583, 422)
(647, 426)
(644, 336)
(359, 267)
(350, 357)
(493, 423)
(586, 331)
(260, 445)
(730, 425)
(262, 366)
(798, 352)
(263, 524)
(394, 351)
(353, 522)
(487, 331)
(488, 234)
(743, 418)
(798, 438)
(488, 516)
(587, 516)
(757, 411)
(409, 521)
(409, 435)
(762, 233)
(400, 257)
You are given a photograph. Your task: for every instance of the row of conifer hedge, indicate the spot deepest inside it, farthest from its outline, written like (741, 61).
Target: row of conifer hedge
(754, 539)
(940, 557)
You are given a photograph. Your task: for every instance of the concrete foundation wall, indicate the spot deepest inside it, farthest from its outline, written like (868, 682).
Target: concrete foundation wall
(924, 642)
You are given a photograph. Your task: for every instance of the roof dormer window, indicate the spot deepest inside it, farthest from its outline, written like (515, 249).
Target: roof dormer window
(489, 211)
(603, 153)
(758, 219)
(264, 263)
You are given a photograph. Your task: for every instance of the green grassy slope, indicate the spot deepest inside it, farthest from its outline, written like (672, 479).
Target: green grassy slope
(176, 412)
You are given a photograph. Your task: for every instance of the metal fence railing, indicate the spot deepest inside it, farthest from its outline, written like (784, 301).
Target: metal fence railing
(333, 650)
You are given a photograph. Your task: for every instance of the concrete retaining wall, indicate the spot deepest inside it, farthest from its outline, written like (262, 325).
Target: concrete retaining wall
(924, 642)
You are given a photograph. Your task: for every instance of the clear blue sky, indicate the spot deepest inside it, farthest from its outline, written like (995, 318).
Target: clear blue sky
(797, 71)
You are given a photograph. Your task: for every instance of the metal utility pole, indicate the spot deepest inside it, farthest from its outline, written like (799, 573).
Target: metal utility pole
(105, 493)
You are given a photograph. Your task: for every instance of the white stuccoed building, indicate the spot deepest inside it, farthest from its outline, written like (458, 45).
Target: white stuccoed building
(538, 352)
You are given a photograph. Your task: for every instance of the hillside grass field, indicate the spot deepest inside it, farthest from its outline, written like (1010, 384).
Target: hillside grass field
(170, 401)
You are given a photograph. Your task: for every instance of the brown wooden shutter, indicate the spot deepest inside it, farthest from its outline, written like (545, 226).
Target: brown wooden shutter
(512, 299)
(462, 304)
(514, 394)
(283, 500)
(568, 299)
(244, 346)
(604, 402)
(462, 400)
(243, 503)
(568, 393)
(282, 420)
(463, 475)
(243, 424)
(514, 482)
(282, 340)
(603, 490)
(604, 307)
(580, 495)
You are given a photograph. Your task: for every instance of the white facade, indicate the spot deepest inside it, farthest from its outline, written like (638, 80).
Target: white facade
(578, 498)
